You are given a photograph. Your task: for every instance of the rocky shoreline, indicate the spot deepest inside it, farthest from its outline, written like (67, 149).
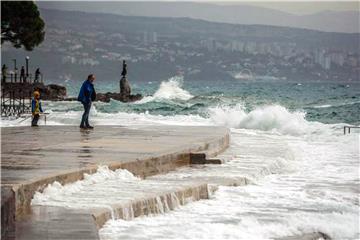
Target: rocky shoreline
(54, 92)
(105, 97)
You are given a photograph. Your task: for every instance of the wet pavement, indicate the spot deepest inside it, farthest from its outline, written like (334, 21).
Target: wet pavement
(30, 153)
(34, 157)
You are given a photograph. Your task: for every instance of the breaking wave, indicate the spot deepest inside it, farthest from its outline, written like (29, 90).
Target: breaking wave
(274, 118)
(56, 194)
(169, 90)
(265, 118)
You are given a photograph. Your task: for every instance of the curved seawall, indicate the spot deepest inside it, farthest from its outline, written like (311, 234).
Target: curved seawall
(32, 158)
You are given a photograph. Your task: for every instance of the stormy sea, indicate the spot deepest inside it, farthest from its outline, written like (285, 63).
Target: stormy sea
(309, 176)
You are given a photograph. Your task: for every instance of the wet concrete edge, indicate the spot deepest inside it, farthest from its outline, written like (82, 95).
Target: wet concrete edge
(23, 193)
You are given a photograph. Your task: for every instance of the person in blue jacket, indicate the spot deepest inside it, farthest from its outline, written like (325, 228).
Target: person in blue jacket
(87, 94)
(36, 109)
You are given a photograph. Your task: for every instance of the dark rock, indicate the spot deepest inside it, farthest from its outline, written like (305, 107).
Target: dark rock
(125, 89)
(54, 91)
(105, 97)
(48, 92)
(197, 158)
(51, 91)
(307, 236)
(124, 95)
(213, 161)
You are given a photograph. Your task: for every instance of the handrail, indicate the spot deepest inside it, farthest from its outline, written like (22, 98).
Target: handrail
(14, 77)
(349, 127)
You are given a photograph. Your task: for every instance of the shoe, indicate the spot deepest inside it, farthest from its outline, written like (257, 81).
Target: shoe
(90, 127)
(83, 127)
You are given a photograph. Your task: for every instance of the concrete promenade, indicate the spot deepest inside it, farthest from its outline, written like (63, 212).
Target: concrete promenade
(34, 157)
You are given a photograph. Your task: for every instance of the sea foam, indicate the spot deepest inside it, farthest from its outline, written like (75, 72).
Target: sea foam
(169, 90)
(265, 118)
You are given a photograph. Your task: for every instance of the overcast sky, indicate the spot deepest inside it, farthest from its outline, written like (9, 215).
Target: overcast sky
(296, 7)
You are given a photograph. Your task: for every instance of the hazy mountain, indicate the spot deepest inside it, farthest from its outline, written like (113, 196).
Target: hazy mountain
(330, 21)
(156, 48)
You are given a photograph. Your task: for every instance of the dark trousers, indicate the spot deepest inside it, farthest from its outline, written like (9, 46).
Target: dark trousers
(35, 120)
(85, 116)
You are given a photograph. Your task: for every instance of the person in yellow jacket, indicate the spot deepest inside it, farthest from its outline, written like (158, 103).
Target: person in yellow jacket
(36, 109)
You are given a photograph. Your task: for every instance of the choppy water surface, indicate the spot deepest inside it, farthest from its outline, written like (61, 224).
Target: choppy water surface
(286, 138)
(299, 185)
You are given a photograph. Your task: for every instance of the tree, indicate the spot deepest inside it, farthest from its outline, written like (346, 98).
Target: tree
(21, 24)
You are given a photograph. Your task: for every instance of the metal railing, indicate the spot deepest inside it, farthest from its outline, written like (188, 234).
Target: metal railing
(349, 127)
(14, 77)
(16, 93)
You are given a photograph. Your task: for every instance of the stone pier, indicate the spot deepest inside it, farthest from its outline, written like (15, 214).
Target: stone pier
(34, 157)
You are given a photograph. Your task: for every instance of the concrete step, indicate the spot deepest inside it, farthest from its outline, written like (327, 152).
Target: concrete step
(125, 200)
(33, 158)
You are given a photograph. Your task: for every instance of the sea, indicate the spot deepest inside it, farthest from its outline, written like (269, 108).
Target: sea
(294, 132)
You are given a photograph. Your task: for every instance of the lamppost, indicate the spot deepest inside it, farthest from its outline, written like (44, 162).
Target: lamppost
(15, 69)
(27, 66)
(14, 64)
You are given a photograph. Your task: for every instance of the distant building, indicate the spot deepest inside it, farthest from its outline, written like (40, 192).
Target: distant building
(250, 47)
(327, 62)
(150, 37)
(352, 61)
(323, 59)
(154, 37)
(211, 44)
(261, 48)
(337, 58)
(145, 37)
(237, 46)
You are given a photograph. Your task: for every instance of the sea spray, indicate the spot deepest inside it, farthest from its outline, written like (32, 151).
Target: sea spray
(341, 106)
(315, 187)
(265, 118)
(159, 205)
(299, 185)
(271, 118)
(169, 90)
(118, 191)
(174, 201)
(128, 212)
(59, 195)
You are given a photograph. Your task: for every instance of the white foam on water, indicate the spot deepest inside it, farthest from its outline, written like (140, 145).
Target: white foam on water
(336, 105)
(120, 118)
(225, 217)
(323, 106)
(106, 189)
(266, 118)
(169, 90)
(313, 187)
(87, 193)
(304, 174)
(272, 118)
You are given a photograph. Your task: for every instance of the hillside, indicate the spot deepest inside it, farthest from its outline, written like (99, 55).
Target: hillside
(77, 43)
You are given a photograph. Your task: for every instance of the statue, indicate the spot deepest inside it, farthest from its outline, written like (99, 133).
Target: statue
(125, 89)
(124, 71)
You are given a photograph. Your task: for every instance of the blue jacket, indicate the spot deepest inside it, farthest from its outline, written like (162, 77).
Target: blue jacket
(33, 106)
(87, 92)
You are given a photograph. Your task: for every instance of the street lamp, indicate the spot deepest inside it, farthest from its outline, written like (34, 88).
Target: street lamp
(27, 66)
(15, 70)
(14, 63)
